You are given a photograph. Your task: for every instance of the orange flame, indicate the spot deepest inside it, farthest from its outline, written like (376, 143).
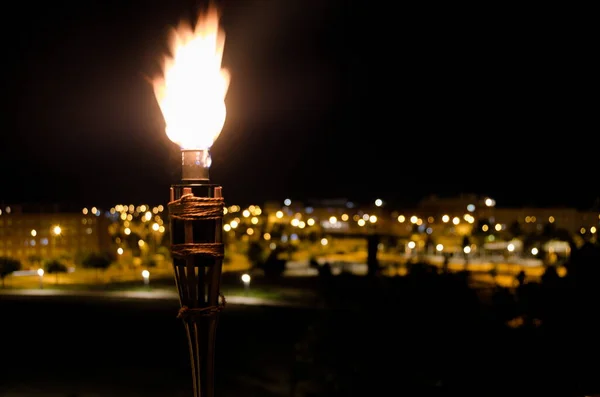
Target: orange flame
(191, 94)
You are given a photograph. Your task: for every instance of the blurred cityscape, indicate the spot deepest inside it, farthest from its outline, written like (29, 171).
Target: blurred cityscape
(292, 238)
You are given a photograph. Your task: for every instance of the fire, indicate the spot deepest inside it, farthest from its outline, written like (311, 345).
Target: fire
(191, 93)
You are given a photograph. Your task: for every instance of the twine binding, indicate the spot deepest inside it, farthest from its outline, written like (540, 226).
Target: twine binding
(192, 208)
(191, 313)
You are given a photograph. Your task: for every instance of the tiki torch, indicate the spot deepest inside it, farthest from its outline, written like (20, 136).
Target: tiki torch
(191, 96)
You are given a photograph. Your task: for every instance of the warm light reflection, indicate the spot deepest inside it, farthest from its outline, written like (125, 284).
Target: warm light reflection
(191, 93)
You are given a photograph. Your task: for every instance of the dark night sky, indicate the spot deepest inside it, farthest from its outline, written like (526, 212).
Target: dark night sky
(327, 99)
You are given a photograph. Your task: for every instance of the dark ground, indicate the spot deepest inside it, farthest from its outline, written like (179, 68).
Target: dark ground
(66, 347)
(61, 347)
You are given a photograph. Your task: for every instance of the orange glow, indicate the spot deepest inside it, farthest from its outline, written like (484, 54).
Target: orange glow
(191, 93)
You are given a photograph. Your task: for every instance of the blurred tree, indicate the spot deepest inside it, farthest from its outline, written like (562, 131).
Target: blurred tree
(273, 266)
(429, 245)
(313, 263)
(313, 236)
(8, 266)
(548, 233)
(132, 242)
(514, 230)
(481, 231)
(56, 267)
(531, 240)
(277, 231)
(415, 229)
(583, 267)
(34, 260)
(372, 248)
(97, 261)
(256, 254)
(466, 242)
(549, 230)
(149, 262)
(290, 249)
(80, 256)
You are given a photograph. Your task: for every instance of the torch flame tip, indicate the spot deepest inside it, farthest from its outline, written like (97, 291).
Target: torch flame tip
(192, 89)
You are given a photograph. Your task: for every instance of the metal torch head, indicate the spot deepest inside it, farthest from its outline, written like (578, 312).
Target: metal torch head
(194, 165)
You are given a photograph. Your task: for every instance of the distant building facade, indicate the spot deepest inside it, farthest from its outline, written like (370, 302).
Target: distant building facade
(31, 234)
(530, 219)
(27, 233)
(436, 216)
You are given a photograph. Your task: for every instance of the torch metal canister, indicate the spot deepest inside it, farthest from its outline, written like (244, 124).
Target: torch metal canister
(196, 221)
(195, 165)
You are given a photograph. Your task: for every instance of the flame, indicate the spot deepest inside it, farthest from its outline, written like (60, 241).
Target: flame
(191, 94)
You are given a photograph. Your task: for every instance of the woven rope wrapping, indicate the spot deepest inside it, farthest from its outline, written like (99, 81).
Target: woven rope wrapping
(192, 208)
(181, 251)
(186, 313)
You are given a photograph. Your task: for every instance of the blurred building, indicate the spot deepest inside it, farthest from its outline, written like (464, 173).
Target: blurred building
(435, 221)
(32, 233)
(339, 224)
(433, 215)
(484, 209)
(333, 216)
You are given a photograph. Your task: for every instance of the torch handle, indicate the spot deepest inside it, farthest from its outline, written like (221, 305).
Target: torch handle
(196, 219)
